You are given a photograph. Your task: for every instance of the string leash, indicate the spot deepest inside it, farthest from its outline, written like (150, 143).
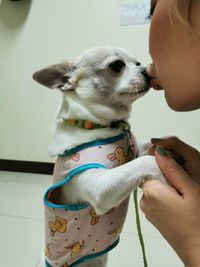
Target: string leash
(139, 230)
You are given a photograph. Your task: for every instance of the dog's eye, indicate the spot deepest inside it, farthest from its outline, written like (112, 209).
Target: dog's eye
(137, 63)
(117, 66)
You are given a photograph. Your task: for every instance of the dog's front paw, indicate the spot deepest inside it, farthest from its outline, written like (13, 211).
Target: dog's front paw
(143, 147)
(151, 170)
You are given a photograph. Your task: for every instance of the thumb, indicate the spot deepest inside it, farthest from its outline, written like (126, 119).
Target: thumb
(175, 175)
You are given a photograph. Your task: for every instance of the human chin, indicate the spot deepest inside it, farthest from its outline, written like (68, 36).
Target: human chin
(179, 104)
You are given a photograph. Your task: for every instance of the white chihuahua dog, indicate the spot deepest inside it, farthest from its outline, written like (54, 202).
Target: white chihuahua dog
(95, 172)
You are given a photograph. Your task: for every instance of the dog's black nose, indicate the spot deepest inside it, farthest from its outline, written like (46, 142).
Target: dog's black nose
(146, 76)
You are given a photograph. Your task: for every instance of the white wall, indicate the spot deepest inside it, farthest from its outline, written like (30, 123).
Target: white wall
(47, 31)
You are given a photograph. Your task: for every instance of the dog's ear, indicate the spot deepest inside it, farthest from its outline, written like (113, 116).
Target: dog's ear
(56, 76)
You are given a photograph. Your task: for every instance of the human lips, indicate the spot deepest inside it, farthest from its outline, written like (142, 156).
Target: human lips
(155, 85)
(154, 81)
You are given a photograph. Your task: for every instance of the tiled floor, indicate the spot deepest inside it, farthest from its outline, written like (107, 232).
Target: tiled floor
(21, 228)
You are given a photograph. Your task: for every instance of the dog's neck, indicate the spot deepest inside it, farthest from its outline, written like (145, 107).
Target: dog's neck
(71, 107)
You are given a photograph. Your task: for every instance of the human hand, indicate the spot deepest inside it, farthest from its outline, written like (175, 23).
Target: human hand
(175, 210)
(185, 155)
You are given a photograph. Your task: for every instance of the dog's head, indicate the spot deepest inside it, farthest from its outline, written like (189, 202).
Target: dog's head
(106, 75)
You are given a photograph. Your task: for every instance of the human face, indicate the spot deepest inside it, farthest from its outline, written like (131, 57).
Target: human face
(176, 58)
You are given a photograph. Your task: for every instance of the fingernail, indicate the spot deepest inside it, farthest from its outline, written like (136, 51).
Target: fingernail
(156, 140)
(161, 151)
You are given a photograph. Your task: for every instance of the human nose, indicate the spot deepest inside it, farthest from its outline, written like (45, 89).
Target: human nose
(150, 70)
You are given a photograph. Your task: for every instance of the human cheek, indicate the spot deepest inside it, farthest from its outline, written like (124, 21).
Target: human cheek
(157, 49)
(157, 31)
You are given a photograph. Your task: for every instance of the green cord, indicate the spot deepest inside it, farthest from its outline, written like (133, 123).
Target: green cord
(139, 229)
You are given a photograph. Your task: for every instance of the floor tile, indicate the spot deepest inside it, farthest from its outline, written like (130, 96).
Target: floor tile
(130, 223)
(33, 179)
(22, 242)
(128, 253)
(6, 177)
(22, 197)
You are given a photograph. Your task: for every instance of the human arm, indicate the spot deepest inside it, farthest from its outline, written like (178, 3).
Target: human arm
(175, 210)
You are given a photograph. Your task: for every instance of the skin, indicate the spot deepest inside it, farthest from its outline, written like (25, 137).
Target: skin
(176, 58)
(175, 209)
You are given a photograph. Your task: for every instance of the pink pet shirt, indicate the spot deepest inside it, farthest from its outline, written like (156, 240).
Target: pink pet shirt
(75, 233)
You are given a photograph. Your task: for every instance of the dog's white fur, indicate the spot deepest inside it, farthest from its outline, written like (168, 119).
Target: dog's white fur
(94, 89)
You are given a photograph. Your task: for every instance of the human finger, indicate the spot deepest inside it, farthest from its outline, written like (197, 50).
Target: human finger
(176, 175)
(156, 194)
(177, 146)
(175, 156)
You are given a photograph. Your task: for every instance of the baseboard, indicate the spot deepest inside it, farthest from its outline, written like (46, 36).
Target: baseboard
(26, 166)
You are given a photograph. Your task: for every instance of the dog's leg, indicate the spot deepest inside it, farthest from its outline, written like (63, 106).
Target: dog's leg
(107, 188)
(143, 147)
